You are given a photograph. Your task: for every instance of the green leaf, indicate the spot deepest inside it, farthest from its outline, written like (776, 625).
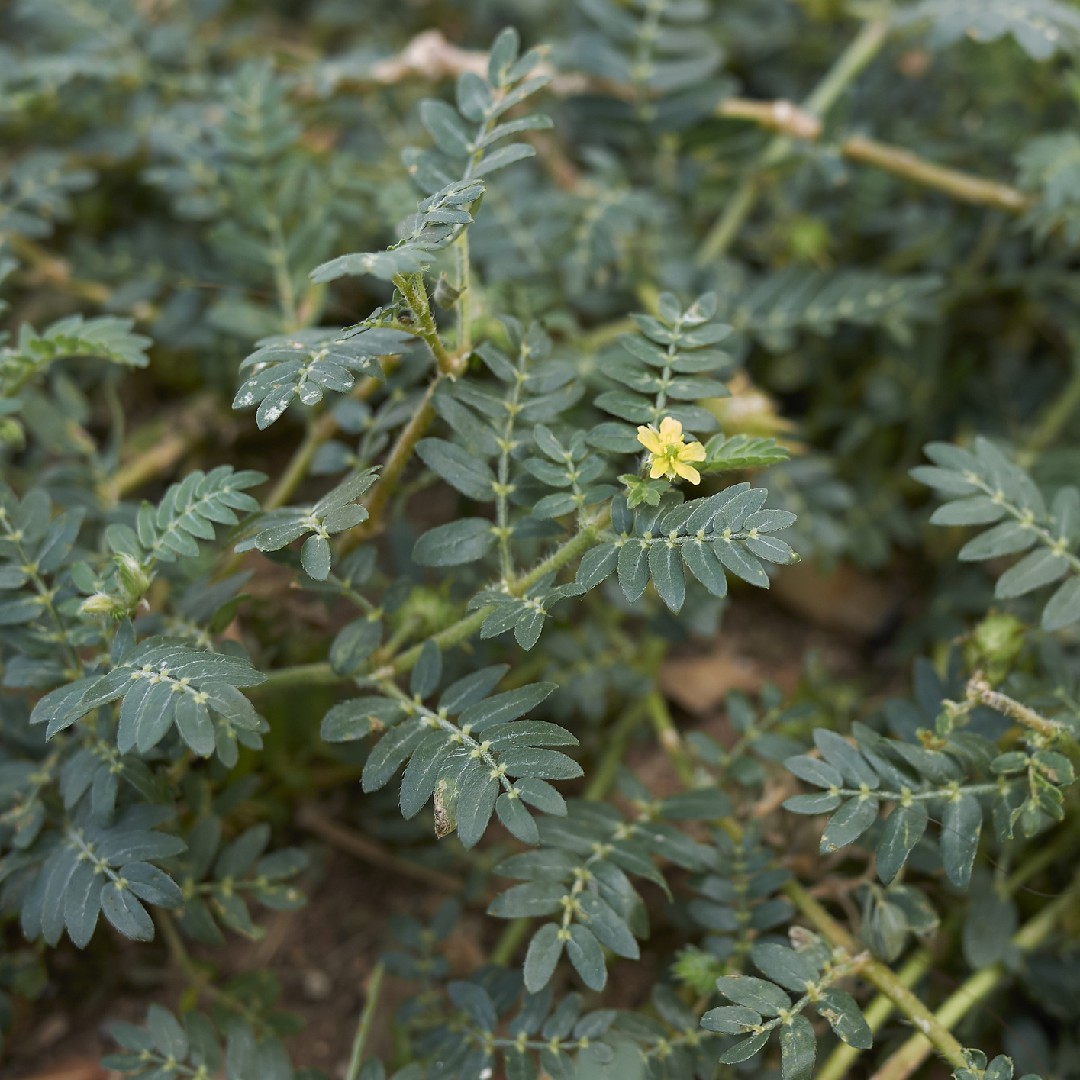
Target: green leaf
(596, 565)
(839, 753)
(1039, 27)
(842, 1012)
(814, 771)
(904, 828)
(125, 912)
(798, 1048)
(988, 929)
(454, 544)
(849, 822)
(739, 452)
(667, 575)
(731, 1019)
(390, 753)
(354, 643)
(704, 565)
(518, 821)
(358, 718)
(1063, 608)
(757, 994)
(315, 557)
(785, 966)
(633, 569)
(821, 802)
(446, 128)
(542, 956)
(1030, 573)
(427, 672)
(611, 930)
(587, 957)
(170, 1039)
(422, 773)
(960, 827)
(744, 1049)
(476, 802)
(740, 563)
(507, 706)
(528, 900)
(461, 470)
(1008, 538)
(976, 510)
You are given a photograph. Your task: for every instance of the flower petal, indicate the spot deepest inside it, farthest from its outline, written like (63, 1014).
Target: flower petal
(648, 438)
(658, 468)
(692, 452)
(670, 430)
(688, 472)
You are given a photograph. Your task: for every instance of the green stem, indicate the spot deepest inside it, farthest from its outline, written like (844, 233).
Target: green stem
(915, 1051)
(979, 691)
(464, 628)
(851, 62)
(667, 734)
(616, 742)
(367, 1018)
(300, 675)
(464, 300)
(400, 455)
(509, 941)
(937, 1034)
(414, 290)
(199, 977)
(454, 634)
(838, 1064)
(1056, 416)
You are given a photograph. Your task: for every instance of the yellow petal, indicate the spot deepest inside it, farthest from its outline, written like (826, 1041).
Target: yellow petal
(658, 469)
(648, 437)
(692, 452)
(650, 440)
(688, 472)
(670, 430)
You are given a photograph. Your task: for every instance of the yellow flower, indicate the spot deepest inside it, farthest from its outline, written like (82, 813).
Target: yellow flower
(669, 455)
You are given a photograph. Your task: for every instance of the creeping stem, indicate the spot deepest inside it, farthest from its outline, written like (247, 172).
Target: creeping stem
(850, 63)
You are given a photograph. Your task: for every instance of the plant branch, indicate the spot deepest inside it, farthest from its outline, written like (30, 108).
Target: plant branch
(979, 692)
(960, 185)
(935, 1033)
(321, 430)
(977, 988)
(367, 850)
(852, 61)
(367, 1018)
(400, 455)
(465, 627)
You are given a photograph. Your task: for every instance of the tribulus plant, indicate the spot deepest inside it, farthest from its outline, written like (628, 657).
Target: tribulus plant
(545, 360)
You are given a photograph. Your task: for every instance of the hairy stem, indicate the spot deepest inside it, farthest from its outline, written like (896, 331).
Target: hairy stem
(465, 627)
(979, 692)
(959, 185)
(454, 633)
(1049, 425)
(400, 455)
(414, 290)
(851, 62)
(321, 430)
(976, 989)
(667, 735)
(936, 1034)
(838, 1064)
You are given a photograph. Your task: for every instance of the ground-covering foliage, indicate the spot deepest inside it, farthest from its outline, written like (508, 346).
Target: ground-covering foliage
(388, 388)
